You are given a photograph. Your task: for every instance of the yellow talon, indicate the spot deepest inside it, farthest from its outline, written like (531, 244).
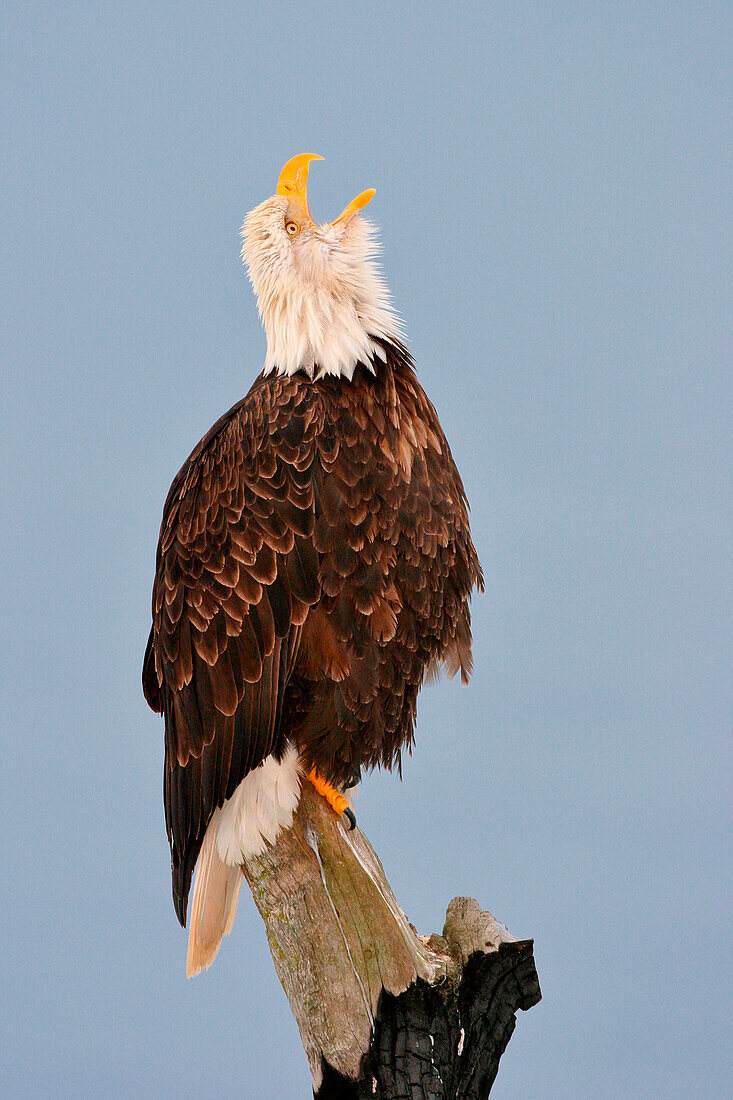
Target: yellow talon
(334, 798)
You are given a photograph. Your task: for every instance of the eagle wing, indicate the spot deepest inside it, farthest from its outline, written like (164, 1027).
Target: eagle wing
(236, 574)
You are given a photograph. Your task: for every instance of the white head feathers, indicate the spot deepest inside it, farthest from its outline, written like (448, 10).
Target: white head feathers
(319, 291)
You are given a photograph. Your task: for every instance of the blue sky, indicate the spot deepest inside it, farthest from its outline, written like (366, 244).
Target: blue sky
(553, 194)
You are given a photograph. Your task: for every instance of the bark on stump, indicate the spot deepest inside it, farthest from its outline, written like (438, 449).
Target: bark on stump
(382, 1011)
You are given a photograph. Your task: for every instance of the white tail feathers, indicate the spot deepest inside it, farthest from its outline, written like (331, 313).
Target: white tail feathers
(262, 805)
(214, 905)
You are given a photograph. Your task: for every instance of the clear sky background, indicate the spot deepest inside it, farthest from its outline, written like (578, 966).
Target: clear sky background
(553, 191)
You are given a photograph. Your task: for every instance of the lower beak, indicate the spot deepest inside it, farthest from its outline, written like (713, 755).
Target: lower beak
(355, 206)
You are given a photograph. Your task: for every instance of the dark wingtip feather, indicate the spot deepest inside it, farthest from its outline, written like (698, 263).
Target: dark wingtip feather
(182, 875)
(151, 687)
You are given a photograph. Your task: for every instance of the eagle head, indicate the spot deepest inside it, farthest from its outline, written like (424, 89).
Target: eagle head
(320, 294)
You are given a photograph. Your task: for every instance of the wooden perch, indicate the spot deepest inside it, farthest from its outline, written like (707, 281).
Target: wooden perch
(383, 1012)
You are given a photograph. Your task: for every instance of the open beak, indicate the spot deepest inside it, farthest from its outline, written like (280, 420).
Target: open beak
(293, 183)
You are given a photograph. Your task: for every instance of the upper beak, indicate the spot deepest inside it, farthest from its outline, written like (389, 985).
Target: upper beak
(293, 183)
(293, 180)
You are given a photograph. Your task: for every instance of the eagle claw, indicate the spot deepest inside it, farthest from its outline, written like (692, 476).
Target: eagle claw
(351, 817)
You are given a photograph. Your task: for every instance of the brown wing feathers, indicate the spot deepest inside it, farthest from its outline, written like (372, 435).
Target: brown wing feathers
(397, 565)
(236, 575)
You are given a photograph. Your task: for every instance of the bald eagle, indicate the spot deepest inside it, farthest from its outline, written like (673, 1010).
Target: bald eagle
(314, 564)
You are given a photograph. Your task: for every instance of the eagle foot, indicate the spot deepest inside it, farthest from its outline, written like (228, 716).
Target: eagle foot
(335, 799)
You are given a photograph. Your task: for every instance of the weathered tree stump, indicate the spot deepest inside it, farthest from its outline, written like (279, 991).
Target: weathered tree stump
(382, 1011)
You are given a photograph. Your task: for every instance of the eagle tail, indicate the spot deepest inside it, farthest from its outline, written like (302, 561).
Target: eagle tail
(214, 905)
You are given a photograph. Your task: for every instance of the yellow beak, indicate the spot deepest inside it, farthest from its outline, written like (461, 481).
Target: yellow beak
(293, 183)
(355, 206)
